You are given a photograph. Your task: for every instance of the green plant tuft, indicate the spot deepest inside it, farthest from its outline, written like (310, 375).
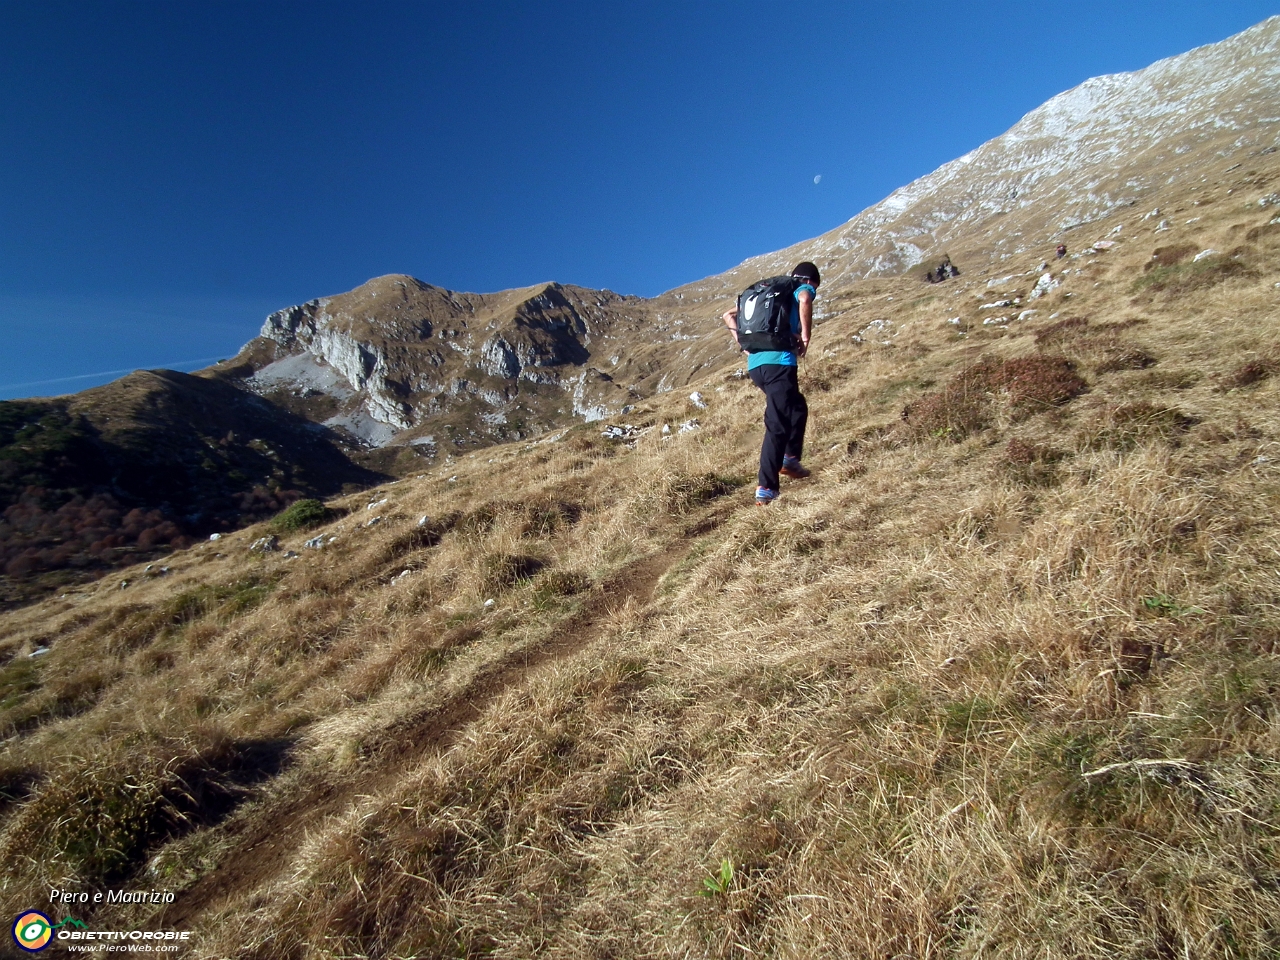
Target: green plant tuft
(302, 515)
(719, 883)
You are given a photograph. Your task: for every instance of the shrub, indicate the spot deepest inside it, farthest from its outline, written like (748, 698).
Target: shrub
(43, 531)
(301, 515)
(1133, 358)
(1037, 382)
(1247, 374)
(1031, 463)
(967, 404)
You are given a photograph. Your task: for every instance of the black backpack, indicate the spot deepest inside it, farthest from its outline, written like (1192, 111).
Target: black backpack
(764, 314)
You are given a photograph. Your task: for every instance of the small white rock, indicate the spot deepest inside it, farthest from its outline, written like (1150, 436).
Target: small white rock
(696, 399)
(215, 536)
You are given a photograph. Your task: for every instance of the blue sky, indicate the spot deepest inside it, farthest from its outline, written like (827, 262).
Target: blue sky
(171, 172)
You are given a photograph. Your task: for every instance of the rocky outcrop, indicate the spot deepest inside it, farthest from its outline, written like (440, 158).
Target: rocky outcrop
(499, 359)
(291, 325)
(373, 361)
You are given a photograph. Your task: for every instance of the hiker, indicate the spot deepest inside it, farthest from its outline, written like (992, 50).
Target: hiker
(1062, 250)
(773, 322)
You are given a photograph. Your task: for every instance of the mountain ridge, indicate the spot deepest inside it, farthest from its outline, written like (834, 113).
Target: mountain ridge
(1245, 72)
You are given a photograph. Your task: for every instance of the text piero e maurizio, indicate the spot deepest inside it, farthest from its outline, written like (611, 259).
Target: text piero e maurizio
(110, 896)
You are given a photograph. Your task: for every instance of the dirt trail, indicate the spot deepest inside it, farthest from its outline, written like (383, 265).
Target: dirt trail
(266, 843)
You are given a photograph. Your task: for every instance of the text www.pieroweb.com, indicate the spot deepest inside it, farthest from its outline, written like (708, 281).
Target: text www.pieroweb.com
(122, 947)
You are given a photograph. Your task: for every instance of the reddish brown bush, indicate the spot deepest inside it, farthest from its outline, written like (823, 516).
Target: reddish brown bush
(1031, 463)
(35, 536)
(968, 403)
(1038, 382)
(1126, 359)
(1247, 374)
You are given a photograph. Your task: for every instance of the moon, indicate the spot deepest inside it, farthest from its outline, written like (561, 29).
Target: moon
(817, 179)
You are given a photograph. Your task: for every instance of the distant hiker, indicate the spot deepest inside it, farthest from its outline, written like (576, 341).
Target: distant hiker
(1062, 250)
(773, 322)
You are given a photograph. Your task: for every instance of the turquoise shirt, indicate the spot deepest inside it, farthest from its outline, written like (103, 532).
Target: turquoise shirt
(783, 358)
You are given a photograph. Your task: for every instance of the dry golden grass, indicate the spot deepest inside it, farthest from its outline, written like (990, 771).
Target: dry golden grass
(1007, 691)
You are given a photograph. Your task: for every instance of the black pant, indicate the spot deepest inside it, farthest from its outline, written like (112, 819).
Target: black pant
(785, 416)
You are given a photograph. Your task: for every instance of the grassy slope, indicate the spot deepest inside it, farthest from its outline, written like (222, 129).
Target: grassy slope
(1002, 683)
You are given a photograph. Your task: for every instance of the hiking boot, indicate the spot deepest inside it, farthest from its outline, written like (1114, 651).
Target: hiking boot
(765, 496)
(791, 468)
